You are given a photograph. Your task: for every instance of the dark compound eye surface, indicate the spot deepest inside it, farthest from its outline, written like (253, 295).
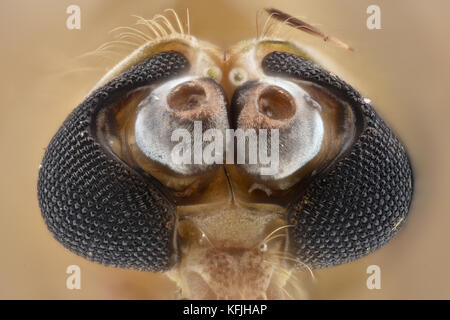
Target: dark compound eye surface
(359, 203)
(94, 204)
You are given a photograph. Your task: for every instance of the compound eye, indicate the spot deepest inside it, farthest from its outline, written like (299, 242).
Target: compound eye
(92, 195)
(343, 210)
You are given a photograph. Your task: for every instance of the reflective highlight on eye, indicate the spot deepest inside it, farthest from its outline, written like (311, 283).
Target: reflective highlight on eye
(279, 104)
(177, 104)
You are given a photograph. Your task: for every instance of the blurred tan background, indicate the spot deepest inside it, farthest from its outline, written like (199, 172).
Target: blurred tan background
(404, 68)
